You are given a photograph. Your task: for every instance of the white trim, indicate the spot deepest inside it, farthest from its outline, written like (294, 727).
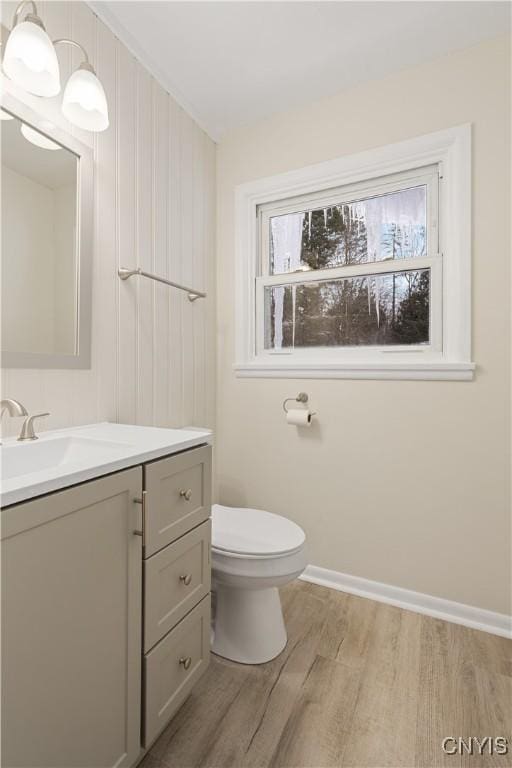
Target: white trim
(347, 193)
(411, 371)
(451, 149)
(437, 607)
(105, 14)
(367, 268)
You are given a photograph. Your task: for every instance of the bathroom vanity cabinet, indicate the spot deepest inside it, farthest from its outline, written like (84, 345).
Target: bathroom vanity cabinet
(105, 612)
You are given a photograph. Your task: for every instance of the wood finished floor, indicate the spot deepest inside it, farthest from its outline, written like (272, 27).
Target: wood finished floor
(360, 684)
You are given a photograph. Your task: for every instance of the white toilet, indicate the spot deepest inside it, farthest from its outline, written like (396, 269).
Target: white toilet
(253, 553)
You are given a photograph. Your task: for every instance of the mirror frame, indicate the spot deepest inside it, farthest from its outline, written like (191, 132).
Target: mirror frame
(84, 245)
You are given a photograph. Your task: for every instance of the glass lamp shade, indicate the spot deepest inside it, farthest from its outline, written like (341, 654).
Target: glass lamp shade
(84, 102)
(39, 139)
(30, 60)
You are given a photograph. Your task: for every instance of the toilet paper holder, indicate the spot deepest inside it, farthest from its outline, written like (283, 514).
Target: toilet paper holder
(302, 397)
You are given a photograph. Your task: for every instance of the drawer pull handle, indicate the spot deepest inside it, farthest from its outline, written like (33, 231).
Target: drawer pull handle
(142, 501)
(186, 579)
(187, 495)
(186, 661)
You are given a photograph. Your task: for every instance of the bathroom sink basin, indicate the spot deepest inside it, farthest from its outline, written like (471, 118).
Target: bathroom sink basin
(25, 458)
(65, 457)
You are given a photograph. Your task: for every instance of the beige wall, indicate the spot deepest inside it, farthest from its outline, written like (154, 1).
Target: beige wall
(153, 352)
(402, 482)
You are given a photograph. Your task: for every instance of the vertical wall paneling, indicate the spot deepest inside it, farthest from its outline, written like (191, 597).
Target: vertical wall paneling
(127, 237)
(105, 191)
(187, 241)
(153, 352)
(198, 249)
(83, 383)
(161, 351)
(211, 280)
(176, 256)
(144, 214)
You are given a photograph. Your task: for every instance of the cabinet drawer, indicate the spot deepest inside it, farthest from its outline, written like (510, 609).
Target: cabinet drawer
(173, 667)
(177, 497)
(175, 579)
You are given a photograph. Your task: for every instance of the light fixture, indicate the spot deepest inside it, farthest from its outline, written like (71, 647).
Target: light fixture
(38, 139)
(84, 102)
(30, 60)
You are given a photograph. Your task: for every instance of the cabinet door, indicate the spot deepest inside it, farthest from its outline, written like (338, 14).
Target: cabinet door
(71, 627)
(177, 496)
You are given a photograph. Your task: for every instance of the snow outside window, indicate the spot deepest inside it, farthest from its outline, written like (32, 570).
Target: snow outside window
(351, 271)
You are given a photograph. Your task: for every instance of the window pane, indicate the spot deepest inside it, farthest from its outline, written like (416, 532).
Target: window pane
(390, 226)
(382, 309)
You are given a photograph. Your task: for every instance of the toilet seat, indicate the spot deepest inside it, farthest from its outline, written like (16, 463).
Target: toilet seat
(254, 533)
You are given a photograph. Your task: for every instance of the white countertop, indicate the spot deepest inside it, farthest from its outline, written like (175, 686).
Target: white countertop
(65, 457)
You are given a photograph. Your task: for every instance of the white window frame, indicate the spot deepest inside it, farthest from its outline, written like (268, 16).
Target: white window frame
(448, 356)
(428, 177)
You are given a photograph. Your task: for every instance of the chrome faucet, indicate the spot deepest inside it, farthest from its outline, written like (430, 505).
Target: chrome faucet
(27, 430)
(13, 407)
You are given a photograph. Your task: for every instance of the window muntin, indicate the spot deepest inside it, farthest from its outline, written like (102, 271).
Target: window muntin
(382, 227)
(373, 310)
(403, 211)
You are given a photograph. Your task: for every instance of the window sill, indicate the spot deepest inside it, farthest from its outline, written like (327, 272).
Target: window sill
(438, 371)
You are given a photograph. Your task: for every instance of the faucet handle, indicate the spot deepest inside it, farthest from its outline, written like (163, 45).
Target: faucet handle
(27, 430)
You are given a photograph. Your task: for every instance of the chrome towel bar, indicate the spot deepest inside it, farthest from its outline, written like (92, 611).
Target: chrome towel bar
(124, 274)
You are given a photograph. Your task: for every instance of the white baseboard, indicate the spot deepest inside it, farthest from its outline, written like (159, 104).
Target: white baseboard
(438, 607)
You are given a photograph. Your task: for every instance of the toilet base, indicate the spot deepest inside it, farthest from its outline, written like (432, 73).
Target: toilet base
(248, 624)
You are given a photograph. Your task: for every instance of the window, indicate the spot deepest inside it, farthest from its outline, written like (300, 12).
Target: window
(354, 279)
(351, 269)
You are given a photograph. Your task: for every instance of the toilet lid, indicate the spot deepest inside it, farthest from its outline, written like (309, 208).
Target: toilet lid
(254, 532)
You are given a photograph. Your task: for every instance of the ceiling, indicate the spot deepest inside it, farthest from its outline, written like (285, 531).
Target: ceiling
(232, 63)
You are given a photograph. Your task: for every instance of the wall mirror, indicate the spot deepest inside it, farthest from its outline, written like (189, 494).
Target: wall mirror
(46, 242)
